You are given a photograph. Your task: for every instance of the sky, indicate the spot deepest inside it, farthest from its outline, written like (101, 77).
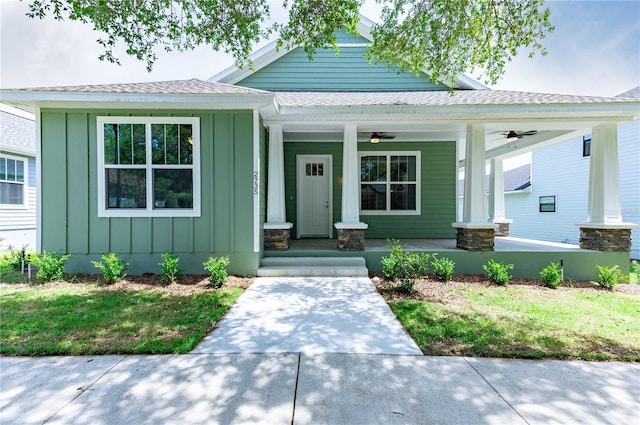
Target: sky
(595, 50)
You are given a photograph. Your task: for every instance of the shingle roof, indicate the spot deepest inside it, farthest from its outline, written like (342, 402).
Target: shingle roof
(17, 133)
(631, 94)
(518, 178)
(435, 98)
(192, 86)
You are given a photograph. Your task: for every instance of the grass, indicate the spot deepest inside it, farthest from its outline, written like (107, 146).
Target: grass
(517, 323)
(91, 319)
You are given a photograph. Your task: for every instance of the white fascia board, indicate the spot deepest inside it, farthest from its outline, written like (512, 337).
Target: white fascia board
(10, 150)
(41, 99)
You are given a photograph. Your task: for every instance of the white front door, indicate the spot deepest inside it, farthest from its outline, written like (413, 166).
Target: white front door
(314, 195)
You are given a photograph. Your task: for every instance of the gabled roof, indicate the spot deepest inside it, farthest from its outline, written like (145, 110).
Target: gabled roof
(17, 134)
(269, 54)
(631, 94)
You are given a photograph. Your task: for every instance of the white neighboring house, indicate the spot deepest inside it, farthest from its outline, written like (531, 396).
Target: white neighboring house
(560, 186)
(17, 181)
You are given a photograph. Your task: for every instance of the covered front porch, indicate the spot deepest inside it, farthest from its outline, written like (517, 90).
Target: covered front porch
(527, 255)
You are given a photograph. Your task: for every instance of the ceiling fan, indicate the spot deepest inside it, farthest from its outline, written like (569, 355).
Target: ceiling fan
(515, 135)
(376, 137)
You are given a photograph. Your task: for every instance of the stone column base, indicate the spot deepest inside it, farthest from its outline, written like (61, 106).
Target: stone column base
(475, 239)
(502, 230)
(605, 239)
(350, 239)
(276, 239)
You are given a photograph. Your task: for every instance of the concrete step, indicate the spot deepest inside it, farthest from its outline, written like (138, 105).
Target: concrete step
(313, 267)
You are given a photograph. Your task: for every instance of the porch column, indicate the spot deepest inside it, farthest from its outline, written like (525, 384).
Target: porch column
(475, 232)
(276, 230)
(604, 229)
(350, 229)
(496, 198)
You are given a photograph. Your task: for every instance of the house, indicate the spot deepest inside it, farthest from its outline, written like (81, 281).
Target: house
(17, 181)
(559, 193)
(255, 161)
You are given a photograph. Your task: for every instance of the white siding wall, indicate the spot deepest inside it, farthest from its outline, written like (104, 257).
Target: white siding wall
(561, 170)
(18, 225)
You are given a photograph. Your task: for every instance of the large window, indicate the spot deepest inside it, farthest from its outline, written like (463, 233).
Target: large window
(13, 175)
(148, 166)
(390, 183)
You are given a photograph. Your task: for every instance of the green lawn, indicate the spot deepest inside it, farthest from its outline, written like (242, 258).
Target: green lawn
(524, 323)
(91, 319)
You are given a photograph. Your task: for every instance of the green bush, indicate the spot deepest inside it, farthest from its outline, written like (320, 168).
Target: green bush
(171, 272)
(551, 275)
(608, 277)
(217, 268)
(12, 260)
(443, 268)
(498, 271)
(401, 264)
(50, 265)
(113, 267)
(404, 287)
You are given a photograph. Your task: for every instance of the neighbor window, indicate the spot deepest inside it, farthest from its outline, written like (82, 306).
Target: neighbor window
(148, 166)
(13, 173)
(548, 204)
(390, 182)
(586, 145)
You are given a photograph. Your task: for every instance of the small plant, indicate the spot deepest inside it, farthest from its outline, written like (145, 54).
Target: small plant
(551, 275)
(498, 271)
(404, 287)
(217, 268)
(442, 268)
(608, 277)
(634, 272)
(401, 264)
(171, 272)
(50, 265)
(113, 267)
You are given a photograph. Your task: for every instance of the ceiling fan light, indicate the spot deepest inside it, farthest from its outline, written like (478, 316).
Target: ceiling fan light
(375, 138)
(512, 136)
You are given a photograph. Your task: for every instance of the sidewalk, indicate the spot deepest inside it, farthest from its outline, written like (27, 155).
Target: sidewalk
(308, 389)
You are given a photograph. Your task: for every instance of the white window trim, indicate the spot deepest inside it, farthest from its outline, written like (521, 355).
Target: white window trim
(25, 184)
(418, 183)
(103, 211)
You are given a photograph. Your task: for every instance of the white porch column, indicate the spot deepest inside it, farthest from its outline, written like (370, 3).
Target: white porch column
(276, 229)
(496, 197)
(475, 232)
(604, 229)
(350, 229)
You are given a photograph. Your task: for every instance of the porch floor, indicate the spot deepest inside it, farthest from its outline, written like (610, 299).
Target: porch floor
(508, 244)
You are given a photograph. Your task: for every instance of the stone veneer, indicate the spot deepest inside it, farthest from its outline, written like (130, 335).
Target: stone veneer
(350, 239)
(276, 239)
(475, 239)
(607, 240)
(502, 230)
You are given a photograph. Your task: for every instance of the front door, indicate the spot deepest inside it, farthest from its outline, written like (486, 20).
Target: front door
(314, 195)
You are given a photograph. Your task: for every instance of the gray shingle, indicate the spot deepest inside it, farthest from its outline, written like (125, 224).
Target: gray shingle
(17, 133)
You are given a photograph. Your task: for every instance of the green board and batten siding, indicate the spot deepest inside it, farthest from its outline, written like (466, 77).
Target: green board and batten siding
(349, 71)
(70, 219)
(438, 180)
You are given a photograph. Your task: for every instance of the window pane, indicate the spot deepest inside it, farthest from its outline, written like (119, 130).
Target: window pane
(373, 197)
(20, 171)
(403, 197)
(373, 168)
(110, 149)
(157, 143)
(3, 168)
(124, 143)
(186, 144)
(173, 188)
(11, 170)
(403, 168)
(126, 188)
(11, 193)
(139, 144)
(165, 141)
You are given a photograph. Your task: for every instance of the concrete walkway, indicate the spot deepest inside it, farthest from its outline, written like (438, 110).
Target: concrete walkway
(310, 351)
(311, 315)
(312, 389)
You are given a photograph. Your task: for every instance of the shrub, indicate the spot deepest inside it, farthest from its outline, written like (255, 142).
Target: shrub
(401, 264)
(442, 268)
(551, 275)
(50, 265)
(498, 271)
(171, 272)
(608, 277)
(113, 268)
(12, 260)
(217, 268)
(404, 287)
